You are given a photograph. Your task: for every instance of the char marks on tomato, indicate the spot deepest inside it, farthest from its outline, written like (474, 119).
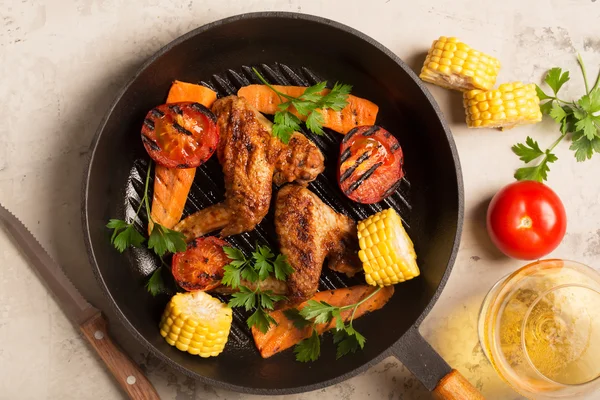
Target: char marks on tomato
(201, 266)
(370, 164)
(180, 135)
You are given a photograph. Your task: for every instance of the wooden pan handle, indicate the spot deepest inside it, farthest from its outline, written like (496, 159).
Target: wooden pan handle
(454, 386)
(125, 371)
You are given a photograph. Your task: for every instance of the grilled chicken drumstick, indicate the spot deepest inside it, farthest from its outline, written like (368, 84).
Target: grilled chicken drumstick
(309, 231)
(252, 159)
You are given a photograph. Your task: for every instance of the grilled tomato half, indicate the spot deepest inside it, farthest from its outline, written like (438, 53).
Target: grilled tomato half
(370, 164)
(200, 267)
(180, 135)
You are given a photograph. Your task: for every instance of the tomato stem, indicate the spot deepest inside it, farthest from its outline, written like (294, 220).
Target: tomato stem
(525, 222)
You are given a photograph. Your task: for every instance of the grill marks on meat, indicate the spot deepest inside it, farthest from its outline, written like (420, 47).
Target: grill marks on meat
(252, 159)
(309, 231)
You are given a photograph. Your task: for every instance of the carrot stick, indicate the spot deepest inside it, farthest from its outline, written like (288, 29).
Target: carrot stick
(358, 111)
(183, 91)
(172, 185)
(285, 335)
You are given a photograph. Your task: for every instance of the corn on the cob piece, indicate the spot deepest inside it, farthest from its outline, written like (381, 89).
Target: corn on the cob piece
(387, 253)
(197, 323)
(454, 65)
(510, 105)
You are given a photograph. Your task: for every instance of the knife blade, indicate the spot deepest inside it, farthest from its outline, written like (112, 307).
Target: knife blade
(72, 302)
(89, 319)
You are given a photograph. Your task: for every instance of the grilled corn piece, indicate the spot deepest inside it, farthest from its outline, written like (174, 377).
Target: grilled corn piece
(454, 65)
(386, 251)
(197, 323)
(510, 105)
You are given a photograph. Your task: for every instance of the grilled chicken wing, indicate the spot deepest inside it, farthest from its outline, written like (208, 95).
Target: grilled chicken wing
(252, 159)
(309, 231)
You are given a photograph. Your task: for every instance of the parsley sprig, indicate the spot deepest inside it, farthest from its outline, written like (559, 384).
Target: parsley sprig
(260, 266)
(580, 118)
(313, 98)
(161, 240)
(347, 339)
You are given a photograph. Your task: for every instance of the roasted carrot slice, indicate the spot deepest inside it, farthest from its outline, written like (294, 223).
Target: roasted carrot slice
(172, 185)
(357, 112)
(183, 91)
(285, 335)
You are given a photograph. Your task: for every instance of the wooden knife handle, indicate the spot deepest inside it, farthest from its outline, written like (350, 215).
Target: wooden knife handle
(454, 386)
(123, 368)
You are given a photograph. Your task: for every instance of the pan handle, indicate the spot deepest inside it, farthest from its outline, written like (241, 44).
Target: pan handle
(431, 369)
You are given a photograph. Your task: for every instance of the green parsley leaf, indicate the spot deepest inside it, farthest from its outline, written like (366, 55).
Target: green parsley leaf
(314, 123)
(264, 269)
(346, 343)
(577, 117)
(231, 276)
(156, 284)
(285, 124)
(360, 338)
(129, 237)
(529, 151)
(540, 93)
(539, 172)
(284, 106)
(244, 298)
(556, 78)
(313, 98)
(547, 107)
(584, 148)
(261, 320)
(557, 113)
(298, 320)
(304, 107)
(313, 93)
(339, 321)
(337, 98)
(124, 235)
(587, 126)
(117, 225)
(309, 349)
(320, 311)
(250, 274)
(234, 254)
(591, 102)
(282, 268)
(568, 124)
(164, 239)
(263, 252)
(267, 299)
(262, 261)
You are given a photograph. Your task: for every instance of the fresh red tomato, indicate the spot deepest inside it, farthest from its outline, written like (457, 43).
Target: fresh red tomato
(200, 267)
(370, 164)
(526, 220)
(180, 135)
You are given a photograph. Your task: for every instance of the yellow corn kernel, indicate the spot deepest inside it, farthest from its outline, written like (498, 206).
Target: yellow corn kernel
(200, 326)
(392, 259)
(478, 70)
(510, 105)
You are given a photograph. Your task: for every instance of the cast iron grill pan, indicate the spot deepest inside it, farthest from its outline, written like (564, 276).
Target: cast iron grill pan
(220, 55)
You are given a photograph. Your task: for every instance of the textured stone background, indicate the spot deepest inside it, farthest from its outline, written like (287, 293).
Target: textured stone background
(62, 62)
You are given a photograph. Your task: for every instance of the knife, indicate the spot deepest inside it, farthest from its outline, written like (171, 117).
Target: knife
(90, 320)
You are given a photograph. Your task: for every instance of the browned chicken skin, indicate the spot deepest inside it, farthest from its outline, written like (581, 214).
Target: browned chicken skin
(309, 231)
(252, 159)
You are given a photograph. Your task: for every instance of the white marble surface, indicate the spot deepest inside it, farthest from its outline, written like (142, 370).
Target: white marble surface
(61, 64)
